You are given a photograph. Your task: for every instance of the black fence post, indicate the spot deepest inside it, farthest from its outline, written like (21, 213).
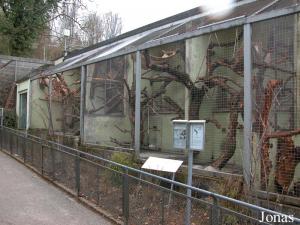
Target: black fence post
(24, 149)
(31, 151)
(10, 144)
(215, 217)
(98, 185)
(17, 141)
(126, 197)
(42, 159)
(52, 161)
(163, 208)
(77, 173)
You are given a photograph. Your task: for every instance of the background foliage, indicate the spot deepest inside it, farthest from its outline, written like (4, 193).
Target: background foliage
(21, 22)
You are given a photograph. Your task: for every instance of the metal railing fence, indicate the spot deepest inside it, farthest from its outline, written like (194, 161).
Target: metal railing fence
(134, 196)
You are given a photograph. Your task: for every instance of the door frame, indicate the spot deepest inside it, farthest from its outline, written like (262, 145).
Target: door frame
(23, 92)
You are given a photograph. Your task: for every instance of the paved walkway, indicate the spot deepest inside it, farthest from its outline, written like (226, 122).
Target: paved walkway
(26, 199)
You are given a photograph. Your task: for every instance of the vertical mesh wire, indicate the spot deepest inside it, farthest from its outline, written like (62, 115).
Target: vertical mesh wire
(65, 168)
(13, 142)
(20, 146)
(109, 102)
(36, 155)
(145, 203)
(7, 77)
(275, 82)
(162, 96)
(63, 105)
(174, 210)
(89, 181)
(218, 97)
(48, 161)
(29, 152)
(200, 78)
(200, 213)
(110, 190)
(6, 141)
(70, 104)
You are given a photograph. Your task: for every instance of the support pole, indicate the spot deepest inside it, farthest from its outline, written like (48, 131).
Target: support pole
(82, 100)
(189, 178)
(247, 105)
(138, 71)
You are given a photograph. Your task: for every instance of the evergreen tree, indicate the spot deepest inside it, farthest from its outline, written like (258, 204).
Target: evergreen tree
(22, 21)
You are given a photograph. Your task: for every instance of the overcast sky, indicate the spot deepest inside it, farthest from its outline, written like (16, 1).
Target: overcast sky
(136, 13)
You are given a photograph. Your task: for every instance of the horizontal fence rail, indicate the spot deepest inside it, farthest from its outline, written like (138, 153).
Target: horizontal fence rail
(135, 196)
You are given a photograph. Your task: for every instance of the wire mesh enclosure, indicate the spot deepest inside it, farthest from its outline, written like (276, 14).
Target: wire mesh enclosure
(161, 99)
(54, 102)
(275, 81)
(109, 102)
(194, 68)
(13, 69)
(203, 78)
(200, 78)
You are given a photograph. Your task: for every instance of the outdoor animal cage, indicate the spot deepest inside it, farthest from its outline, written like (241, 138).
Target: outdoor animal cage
(240, 73)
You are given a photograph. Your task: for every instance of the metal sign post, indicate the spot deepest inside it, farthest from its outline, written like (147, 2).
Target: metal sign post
(190, 135)
(189, 179)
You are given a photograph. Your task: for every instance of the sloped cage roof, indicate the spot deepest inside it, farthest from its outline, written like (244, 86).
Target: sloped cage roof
(16, 68)
(179, 24)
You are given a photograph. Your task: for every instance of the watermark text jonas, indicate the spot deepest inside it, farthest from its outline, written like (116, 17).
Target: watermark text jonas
(275, 218)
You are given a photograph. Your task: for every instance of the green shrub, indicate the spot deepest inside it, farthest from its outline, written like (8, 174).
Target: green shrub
(124, 159)
(230, 220)
(10, 118)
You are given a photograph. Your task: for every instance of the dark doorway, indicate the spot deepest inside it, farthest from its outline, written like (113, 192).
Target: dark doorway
(23, 111)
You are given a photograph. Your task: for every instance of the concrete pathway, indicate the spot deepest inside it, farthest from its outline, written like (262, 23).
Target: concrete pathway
(26, 199)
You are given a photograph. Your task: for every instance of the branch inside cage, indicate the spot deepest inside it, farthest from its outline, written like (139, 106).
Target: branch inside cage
(197, 92)
(229, 144)
(111, 103)
(120, 143)
(176, 108)
(287, 159)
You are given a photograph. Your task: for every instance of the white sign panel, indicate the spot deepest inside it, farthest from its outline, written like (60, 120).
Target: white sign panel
(197, 135)
(179, 135)
(161, 164)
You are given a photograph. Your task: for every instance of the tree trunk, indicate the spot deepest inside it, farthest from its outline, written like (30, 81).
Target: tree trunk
(263, 129)
(196, 97)
(229, 145)
(287, 159)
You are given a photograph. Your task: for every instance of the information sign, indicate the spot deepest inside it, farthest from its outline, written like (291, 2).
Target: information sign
(161, 164)
(179, 133)
(197, 135)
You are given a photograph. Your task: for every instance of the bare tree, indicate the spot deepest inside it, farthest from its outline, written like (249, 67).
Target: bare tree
(100, 27)
(112, 25)
(93, 29)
